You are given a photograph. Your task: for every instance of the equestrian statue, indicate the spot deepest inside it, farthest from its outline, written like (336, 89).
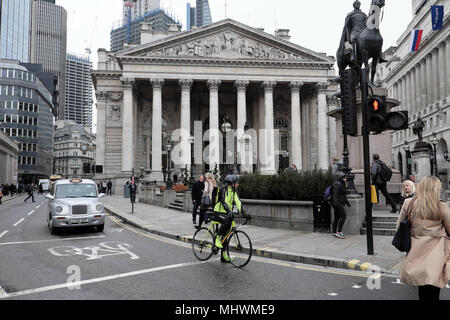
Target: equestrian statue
(361, 39)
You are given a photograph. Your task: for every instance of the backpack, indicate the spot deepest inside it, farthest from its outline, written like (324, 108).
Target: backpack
(328, 194)
(385, 172)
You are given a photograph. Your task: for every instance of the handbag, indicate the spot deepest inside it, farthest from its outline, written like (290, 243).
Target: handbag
(402, 238)
(206, 200)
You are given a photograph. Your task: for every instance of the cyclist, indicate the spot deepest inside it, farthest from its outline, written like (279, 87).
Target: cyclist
(223, 210)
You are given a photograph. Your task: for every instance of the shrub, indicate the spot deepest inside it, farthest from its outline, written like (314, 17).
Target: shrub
(296, 186)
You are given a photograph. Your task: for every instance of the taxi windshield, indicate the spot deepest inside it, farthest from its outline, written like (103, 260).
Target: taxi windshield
(76, 191)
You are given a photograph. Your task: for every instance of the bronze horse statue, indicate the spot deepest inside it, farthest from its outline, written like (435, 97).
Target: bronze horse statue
(367, 43)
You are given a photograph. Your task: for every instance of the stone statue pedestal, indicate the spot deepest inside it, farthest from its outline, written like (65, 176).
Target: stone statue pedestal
(421, 166)
(356, 215)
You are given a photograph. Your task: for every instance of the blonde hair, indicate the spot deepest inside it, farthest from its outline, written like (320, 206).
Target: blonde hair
(413, 188)
(209, 176)
(427, 203)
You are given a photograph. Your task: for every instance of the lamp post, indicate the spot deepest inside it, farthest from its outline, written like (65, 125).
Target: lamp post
(434, 141)
(169, 180)
(191, 140)
(245, 141)
(408, 159)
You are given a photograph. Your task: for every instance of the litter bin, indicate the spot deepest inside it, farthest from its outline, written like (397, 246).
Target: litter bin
(126, 191)
(322, 214)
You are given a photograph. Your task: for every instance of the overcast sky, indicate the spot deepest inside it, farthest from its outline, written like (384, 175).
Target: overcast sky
(316, 25)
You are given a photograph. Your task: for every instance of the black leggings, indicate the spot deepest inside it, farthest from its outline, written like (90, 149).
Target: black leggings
(429, 293)
(339, 219)
(225, 222)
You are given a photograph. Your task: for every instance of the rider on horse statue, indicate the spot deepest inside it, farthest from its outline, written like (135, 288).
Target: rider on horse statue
(355, 22)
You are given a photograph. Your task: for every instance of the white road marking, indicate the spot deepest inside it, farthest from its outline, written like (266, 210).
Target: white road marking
(2, 292)
(17, 223)
(30, 213)
(3, 233)
(42, 241)
(102, 279)
(447, 286)
(356, 287)
(397, 282)
(332, 294)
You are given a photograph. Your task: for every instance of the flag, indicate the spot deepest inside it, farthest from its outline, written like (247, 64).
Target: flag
(437, 17)
(416, 37)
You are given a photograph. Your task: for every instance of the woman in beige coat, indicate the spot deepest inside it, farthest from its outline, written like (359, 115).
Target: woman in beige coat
(427, 264)
(210, 184)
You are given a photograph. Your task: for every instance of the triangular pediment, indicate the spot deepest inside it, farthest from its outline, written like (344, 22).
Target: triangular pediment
(226, 40)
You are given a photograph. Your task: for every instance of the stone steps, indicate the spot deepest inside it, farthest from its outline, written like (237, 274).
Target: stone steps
(177, 205)
(379, 232)
(383, 224)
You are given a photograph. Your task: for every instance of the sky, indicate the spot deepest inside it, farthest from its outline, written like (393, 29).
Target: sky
(316, 25)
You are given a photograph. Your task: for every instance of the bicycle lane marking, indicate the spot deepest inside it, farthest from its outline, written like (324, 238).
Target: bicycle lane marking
(102, 279)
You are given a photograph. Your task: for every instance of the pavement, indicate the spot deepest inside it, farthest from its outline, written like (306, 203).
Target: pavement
(303, 247)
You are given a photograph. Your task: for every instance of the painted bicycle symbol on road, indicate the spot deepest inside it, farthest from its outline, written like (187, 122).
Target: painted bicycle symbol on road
(100, 251)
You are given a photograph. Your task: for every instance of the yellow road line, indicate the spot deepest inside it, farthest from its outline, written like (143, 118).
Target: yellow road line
(365, 266)
(352, 264)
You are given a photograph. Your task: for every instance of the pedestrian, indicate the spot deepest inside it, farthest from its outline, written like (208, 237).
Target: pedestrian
(379, 181)
(197, 194)
(133, 190)
(109, 185)
(408, 190)
(12, 189)
(426, 265)
(336, 165)
(1, 193)
(29, 190)
(104, 187)
(338, 202)
(210, 184)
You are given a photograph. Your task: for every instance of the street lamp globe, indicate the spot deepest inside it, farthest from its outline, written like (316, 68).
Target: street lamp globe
(226, 127)
(434, 140)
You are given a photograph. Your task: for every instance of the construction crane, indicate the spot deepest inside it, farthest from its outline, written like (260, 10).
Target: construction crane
(88, 49)
(129, 4)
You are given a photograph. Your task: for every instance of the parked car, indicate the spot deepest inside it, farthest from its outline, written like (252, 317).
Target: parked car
(75, 203)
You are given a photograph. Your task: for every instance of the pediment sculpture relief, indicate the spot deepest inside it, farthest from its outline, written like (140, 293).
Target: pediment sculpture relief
(227, 45)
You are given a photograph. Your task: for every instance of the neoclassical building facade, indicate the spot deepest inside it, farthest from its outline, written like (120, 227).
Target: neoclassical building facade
(421, 82)
(186, 85)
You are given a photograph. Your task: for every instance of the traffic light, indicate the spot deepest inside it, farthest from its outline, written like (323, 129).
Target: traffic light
(348, 99)
(380, 119)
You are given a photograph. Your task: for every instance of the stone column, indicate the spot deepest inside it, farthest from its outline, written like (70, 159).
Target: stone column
(241, 86)
(261, 135)
(185, 123)
(214, 133)
(127, 125)
(429, 81)
(404, 100)
(442, 71)
(322, 133)
(447, 67)
(418, 88)
(100, 154)
(413, 90)
(269, 139)
(435, 75)
(423, 72)
(408, 92)
(156, 173)
(296, 125)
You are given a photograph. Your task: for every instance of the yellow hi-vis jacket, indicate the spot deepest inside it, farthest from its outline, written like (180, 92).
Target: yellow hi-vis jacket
(225, 201)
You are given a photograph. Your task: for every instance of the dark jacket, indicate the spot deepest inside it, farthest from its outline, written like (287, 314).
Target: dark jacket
(375, 173)
(339, 194)
(197, 191)
(402, 200)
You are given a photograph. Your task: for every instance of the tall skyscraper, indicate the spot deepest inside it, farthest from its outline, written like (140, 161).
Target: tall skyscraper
(190, 17)
(78, 107)
(48, 44)
(203, 13)
(140, 7)
(15, 16)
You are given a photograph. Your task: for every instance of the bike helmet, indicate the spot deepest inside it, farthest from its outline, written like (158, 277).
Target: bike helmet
(231, 179)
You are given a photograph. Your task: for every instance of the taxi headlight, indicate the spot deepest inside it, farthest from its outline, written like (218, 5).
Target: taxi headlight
(99, 207)
(58, 209)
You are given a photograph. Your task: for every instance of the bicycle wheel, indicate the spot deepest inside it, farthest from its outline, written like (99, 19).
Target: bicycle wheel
(239, 249)
(203, 244)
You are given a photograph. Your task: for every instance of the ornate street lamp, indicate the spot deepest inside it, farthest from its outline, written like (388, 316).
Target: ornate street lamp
(408, 159)
(226, 128)
(191, 140)
(434, 141)
(169, 180)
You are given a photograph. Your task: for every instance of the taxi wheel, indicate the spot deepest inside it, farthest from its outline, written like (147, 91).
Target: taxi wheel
(100, 228)
(53, 230)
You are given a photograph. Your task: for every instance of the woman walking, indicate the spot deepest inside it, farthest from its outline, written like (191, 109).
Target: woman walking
(338, 202)
(427, 264)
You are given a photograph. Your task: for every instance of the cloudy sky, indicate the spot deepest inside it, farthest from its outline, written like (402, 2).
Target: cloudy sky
(316, 25)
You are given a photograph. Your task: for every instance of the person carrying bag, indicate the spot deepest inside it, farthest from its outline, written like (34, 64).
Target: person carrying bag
(427, 262)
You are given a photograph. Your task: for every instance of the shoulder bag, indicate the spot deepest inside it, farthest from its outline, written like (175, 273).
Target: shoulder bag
(402, 238)
(206, 200)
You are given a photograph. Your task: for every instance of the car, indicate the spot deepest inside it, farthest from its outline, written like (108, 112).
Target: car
(45, 184)
(75, 203)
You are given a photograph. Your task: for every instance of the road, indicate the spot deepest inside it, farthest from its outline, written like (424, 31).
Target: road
(123, 263)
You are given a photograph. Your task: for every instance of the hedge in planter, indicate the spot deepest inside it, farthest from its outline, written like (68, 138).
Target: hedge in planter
(292, 186)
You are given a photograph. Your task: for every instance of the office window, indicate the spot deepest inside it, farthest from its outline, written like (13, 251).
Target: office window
(8, 118)
(2, 118)
(19, 132)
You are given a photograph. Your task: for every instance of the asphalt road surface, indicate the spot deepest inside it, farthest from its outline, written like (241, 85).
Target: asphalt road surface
(123, 263)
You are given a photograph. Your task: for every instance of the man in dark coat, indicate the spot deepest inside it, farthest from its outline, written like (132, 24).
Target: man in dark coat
(379, 183)
(29, 190)
(197, 195)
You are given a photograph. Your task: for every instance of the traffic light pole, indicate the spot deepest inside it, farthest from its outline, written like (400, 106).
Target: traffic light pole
(366, 153)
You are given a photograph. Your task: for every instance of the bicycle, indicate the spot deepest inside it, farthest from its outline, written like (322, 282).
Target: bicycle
(236, 242)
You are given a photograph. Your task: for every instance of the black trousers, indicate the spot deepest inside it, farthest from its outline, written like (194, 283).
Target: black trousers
(30, 195)
(225, 222)
(339, 219)
(383, 189)
(429, 293)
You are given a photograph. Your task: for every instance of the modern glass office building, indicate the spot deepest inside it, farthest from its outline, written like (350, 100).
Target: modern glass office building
(203, 13)
(15, 19)
(26, 116)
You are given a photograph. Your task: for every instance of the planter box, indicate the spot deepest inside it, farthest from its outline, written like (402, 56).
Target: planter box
(291, 215)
